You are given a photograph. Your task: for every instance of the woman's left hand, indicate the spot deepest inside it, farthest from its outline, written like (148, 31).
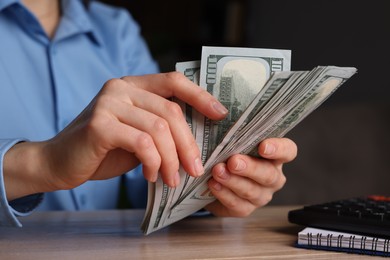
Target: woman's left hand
(245, 183)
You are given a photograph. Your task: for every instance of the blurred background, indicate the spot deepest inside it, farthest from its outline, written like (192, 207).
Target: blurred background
(344, 146)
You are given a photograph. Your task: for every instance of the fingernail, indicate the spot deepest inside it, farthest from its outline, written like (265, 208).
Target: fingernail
(220, 108)
(223, 174)
(199, 170)
(241, 165)
(269, 149)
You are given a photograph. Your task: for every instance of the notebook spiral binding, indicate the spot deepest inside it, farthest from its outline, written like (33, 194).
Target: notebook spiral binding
(374, 246)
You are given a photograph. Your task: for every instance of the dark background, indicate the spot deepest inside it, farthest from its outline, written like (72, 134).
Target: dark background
(344, 145)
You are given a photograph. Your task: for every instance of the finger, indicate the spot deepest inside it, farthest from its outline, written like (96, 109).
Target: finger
(243, 187)
(160, 118)
(176, 84)
(280, 149)
(139, 143)
(234, 205)
(180, 135)
(159, 130)
(267, 173)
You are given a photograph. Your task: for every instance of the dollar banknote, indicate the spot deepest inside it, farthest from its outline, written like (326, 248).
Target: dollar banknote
(234, 76)
(248, 69)
(264, 98)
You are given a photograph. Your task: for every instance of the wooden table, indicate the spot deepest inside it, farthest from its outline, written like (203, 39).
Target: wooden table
(266, 234)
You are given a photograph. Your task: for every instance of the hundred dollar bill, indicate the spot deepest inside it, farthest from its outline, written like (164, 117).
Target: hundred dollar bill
(234, 76)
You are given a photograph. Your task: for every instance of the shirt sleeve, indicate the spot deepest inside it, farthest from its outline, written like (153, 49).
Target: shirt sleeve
(121, 36)
(9, 211)
(138, 56)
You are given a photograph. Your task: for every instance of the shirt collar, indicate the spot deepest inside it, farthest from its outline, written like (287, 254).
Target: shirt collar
(75, 20)
(5, 3)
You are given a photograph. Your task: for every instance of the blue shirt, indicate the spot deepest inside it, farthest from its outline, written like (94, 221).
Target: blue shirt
(45, 83)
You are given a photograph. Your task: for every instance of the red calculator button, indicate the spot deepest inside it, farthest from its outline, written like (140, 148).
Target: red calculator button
(379, 198)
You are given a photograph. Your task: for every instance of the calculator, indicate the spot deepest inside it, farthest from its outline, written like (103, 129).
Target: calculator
(369, 215)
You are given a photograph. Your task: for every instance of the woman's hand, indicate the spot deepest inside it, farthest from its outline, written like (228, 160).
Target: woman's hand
(130, 121)
(246, 183)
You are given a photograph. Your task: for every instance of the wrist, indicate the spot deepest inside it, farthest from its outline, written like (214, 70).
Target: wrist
(23, 170)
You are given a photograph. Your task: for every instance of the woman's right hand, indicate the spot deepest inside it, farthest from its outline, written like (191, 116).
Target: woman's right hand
(130, 121)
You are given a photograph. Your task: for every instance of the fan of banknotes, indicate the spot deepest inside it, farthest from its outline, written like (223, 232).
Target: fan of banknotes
(264, 98)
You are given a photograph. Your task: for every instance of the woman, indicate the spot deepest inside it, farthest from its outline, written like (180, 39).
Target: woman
(69, 116)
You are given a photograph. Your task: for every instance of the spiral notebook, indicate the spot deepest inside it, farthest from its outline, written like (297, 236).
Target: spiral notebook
(321, 239)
